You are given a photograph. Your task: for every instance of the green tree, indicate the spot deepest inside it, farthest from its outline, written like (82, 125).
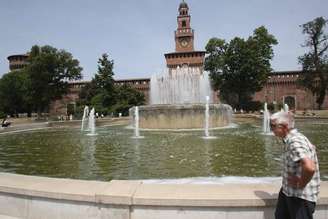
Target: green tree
(127, 97)
(100, 93)
(104, 78)
(105, 96)
(13, 90)
(315, 62)
(49, 71)
(240, 68)
(100, 102)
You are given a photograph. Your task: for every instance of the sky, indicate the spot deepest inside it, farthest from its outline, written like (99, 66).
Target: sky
(137, 33)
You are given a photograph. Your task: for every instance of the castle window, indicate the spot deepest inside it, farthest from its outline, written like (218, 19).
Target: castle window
(184, 24)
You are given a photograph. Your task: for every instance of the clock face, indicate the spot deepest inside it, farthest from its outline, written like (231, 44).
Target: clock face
(184, 43)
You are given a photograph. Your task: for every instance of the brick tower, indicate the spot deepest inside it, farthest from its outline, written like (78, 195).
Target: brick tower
(184, 54)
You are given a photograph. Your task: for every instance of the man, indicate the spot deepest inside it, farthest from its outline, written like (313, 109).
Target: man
(301, 178)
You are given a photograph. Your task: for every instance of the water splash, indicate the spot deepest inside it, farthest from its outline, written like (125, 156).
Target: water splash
(84, 118)
(180, 86)
(92, 123)
(136, 123)
(207, 118)
(266, 120)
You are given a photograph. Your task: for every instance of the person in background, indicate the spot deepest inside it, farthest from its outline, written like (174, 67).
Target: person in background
(300, 177)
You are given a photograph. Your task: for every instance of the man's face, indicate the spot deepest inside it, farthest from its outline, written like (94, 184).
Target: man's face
(279, 130)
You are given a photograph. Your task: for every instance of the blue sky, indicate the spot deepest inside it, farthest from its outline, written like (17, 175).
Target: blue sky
(137, 33)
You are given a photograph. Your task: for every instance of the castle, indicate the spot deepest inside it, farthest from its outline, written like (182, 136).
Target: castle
(281, 87)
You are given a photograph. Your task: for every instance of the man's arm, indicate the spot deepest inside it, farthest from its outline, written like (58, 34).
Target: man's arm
(308, 169)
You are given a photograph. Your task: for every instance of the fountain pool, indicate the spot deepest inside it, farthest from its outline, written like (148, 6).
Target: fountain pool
(67, 152)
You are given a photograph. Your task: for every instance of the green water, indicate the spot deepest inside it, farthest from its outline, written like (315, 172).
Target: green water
(113, 154)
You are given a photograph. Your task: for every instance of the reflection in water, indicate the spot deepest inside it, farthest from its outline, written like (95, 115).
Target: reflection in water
(208, 157)
(87, 164)
(241, 151)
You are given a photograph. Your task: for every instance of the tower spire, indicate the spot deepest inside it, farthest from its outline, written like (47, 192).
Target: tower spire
(183, 6)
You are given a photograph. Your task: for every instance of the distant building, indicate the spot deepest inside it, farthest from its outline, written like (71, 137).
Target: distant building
(17, 61)
(61, 106)
(184, 54)
(280, 88)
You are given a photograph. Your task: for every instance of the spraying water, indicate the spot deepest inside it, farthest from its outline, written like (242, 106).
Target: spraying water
(207, 118)
(286, 109)
(266, 120)
(136, 130)
(180, 86)
(84, 118)
(92, 123)
(176, 97)
(136, 123)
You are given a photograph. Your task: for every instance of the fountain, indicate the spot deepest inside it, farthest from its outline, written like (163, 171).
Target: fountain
(92, 123)
(85, 115)
(286, 107)
(207, 116)
(136, 123)
(266, 120)
(177, 100)
(180, 86)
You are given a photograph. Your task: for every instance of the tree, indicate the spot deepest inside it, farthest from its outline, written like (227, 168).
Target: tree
(13, 90)
(127, 97)
(100, 93)
(315, 62)
(105, 96)
(240, 68)
(49, 71)
(104, 78)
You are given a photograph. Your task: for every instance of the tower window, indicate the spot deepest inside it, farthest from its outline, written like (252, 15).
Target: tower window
(184, 24)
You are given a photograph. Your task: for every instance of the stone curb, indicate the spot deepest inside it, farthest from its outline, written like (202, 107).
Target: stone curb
(133, 192)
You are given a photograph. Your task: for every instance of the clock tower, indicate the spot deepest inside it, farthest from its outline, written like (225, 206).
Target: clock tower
(184, 54)
(184, 35)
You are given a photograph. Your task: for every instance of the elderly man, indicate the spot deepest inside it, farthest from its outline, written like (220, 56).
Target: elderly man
(301, 178)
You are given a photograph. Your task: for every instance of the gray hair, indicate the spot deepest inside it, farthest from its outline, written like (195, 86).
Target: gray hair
(286, 118)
